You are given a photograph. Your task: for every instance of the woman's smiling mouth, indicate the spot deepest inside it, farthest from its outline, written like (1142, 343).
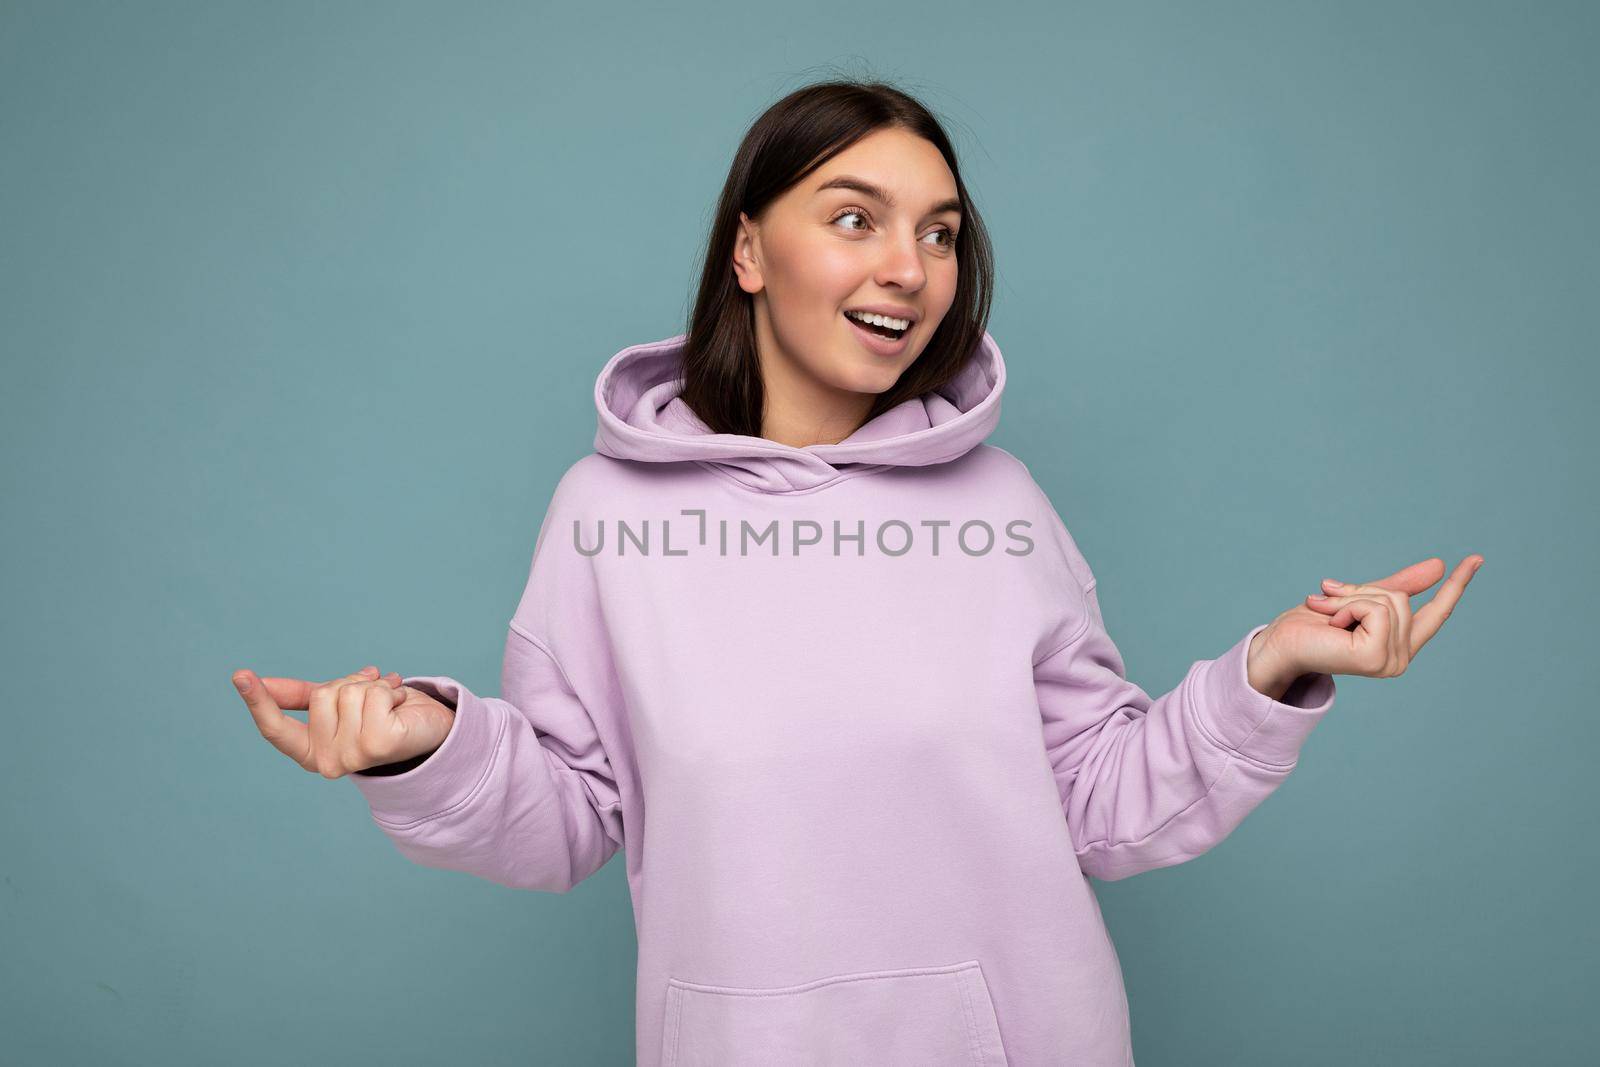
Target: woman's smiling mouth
(879, 340)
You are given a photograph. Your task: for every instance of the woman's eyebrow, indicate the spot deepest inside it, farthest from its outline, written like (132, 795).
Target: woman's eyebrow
(866, 188)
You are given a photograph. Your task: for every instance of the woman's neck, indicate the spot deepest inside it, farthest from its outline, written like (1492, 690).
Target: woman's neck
(798, 410)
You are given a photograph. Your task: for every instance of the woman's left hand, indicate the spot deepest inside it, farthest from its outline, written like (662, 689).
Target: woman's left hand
(1316, 638)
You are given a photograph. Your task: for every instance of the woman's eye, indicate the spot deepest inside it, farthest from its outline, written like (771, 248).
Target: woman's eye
(949, 235)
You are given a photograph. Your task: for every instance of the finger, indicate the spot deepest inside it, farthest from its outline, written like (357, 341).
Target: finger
(1428, 618)
(372, 674)
(1332, 605)
(1399, 602)
(347, 733)
(1322, 603)
(1398, 596)
(323, 719)
(1411, 580)
(332, 707)
(1370, 642)
(1342, 616)
(376, 710)
(287, 735)
(295, 693)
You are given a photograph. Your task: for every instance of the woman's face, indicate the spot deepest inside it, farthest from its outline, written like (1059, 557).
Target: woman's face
(822, 248)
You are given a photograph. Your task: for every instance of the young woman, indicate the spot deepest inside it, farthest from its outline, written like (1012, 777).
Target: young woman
(827, 667)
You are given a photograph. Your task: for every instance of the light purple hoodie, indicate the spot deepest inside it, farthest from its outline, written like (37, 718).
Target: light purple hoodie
(852, 715)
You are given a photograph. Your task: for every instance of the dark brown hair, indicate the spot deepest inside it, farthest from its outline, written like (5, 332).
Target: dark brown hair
(792, 138)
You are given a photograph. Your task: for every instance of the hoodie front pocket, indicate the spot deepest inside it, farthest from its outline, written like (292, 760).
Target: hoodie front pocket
(918, 1015)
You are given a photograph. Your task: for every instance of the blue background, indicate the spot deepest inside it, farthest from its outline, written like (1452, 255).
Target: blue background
(303, 305)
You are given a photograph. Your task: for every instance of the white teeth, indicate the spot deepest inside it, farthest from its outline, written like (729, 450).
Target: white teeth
(880, 320)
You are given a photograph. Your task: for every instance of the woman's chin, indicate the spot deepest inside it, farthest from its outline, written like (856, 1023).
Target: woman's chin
(858, 375)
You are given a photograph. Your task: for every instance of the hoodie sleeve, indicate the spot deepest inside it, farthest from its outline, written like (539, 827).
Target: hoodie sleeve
(522, 791)
(1149, 783)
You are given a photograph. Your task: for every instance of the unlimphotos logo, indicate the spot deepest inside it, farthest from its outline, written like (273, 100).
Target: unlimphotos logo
(890, 537)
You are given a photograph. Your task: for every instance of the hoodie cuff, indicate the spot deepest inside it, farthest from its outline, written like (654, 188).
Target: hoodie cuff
(453, 771)
(1242, 719)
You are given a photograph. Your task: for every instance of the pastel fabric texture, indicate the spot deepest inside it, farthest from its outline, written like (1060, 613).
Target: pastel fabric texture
(852, 715)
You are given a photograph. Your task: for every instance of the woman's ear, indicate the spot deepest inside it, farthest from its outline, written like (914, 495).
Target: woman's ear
(746, 256)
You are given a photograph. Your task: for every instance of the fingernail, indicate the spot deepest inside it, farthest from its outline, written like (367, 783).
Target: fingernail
(1318, 596)
(241, 682)
(1330, 581)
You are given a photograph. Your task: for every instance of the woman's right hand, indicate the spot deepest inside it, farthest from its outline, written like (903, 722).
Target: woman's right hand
(355, 722)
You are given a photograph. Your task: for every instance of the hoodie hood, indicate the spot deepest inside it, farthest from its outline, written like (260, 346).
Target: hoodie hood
(642, 417)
